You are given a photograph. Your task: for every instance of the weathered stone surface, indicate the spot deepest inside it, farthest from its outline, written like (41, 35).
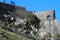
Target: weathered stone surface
(45, 14)
(50, 24)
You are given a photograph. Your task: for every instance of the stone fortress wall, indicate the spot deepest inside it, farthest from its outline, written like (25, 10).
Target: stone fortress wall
(44, 15)
(49, 22)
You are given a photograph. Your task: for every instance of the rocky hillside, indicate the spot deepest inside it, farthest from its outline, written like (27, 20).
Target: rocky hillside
(14, 28)
(16, 25)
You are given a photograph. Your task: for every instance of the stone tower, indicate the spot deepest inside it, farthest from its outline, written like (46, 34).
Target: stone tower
(47, 20)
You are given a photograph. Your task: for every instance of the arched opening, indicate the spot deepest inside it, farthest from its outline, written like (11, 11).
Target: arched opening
(48, 17)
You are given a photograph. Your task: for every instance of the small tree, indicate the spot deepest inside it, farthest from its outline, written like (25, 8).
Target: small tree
(33, 20)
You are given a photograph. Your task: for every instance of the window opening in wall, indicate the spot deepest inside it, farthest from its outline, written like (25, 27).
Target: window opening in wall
(48, 17)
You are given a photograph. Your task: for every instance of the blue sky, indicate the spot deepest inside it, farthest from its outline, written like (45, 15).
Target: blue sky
(39, 5)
